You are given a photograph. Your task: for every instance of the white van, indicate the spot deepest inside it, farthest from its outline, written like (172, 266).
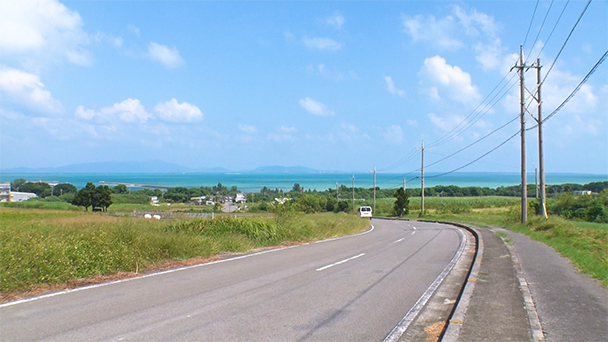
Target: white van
(365, 211)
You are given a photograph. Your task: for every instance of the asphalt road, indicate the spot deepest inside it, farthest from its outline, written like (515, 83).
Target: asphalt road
(356, 288)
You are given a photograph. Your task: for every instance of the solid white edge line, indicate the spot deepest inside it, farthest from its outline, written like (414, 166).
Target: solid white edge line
(49, 295)
(405, 322)
(340, 262)
(348, 236)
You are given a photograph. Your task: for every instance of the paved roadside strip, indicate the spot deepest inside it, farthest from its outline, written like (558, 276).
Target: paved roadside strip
(495, 309)
(523, 290)
(571, 306)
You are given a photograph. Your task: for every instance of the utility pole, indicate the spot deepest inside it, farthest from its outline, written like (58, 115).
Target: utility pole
(353, 192)
(541, 156)
(422, 179)
(404, 184)
(536, 181)
(337, 193)
(522, 108)
(374, 210)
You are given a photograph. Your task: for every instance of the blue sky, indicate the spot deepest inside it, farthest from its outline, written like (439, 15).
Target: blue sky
(331, 85)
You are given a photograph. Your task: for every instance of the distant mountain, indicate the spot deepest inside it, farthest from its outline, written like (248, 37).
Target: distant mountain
(284, 169)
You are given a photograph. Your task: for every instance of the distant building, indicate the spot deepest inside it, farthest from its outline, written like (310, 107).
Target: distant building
(240, 198)
(5, 192)
(282, 200)
(582, 192)
(16, 196)
(154, 199)
(198, 200)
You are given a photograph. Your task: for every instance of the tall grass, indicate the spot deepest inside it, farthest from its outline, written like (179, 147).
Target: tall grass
(52, 247)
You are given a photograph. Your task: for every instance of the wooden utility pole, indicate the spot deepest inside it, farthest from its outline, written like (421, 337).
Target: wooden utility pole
(541, 156)
(520, 66)
(374, 210)
(353, 192)
(422, 180)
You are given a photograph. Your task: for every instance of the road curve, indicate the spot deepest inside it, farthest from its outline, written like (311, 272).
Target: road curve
(356, 288)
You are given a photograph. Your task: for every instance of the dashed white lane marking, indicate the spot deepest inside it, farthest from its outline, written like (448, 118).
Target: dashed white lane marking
(397, 241)
(340, 262)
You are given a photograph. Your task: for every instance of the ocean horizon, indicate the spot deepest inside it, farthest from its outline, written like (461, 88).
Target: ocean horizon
(254, 182)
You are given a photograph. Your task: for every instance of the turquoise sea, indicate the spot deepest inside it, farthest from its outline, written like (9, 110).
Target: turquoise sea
(253, 182)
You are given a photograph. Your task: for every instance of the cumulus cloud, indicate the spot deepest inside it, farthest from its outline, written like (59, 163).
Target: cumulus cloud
(247, 129)
(459, 29)
(445, 123)
(315, 107)
(172, 111)
(42, 30)
(438, 32)
(440, 78)
(476, 23)
(326, 44)
(134, 29)
(283, 133)
(394, 134)
(390, 85)
(25, 89)
(336, 21)
(129, 111)
(169, 57)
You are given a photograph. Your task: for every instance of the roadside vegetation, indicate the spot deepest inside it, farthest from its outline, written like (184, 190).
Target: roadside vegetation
(42, 246)
(50, 241)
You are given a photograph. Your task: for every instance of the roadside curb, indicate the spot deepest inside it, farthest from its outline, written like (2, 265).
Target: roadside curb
(454, 324)
(535, 326)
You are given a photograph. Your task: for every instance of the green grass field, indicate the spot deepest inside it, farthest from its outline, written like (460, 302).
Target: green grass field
(51, 243)
(41, 246)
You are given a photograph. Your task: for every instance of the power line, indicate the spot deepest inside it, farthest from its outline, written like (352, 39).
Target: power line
(578, 87)
(456, 131)
(473, 143)
(531, 21)
(542, 25)
(566, 41)
(476, 159)
(552, 30)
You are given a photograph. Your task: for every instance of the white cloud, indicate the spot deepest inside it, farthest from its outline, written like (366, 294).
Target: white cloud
(315, 107)
(247, 129)
(412, 123)
(336, 21)
(394, 134)
(390, 85)
(476, 23)
(327, 44)
(459, 29)
(134, 29)
(441, 78)
(114, 41)
(435, 32)
(282, 133)
(129, 111)
(169, 57)
(172, 111)
(445, 123)
(25, 89)
(41, 30)
(285, 129)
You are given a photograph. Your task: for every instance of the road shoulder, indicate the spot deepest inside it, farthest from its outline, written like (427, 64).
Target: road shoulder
(571, 306)
(496, 310)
